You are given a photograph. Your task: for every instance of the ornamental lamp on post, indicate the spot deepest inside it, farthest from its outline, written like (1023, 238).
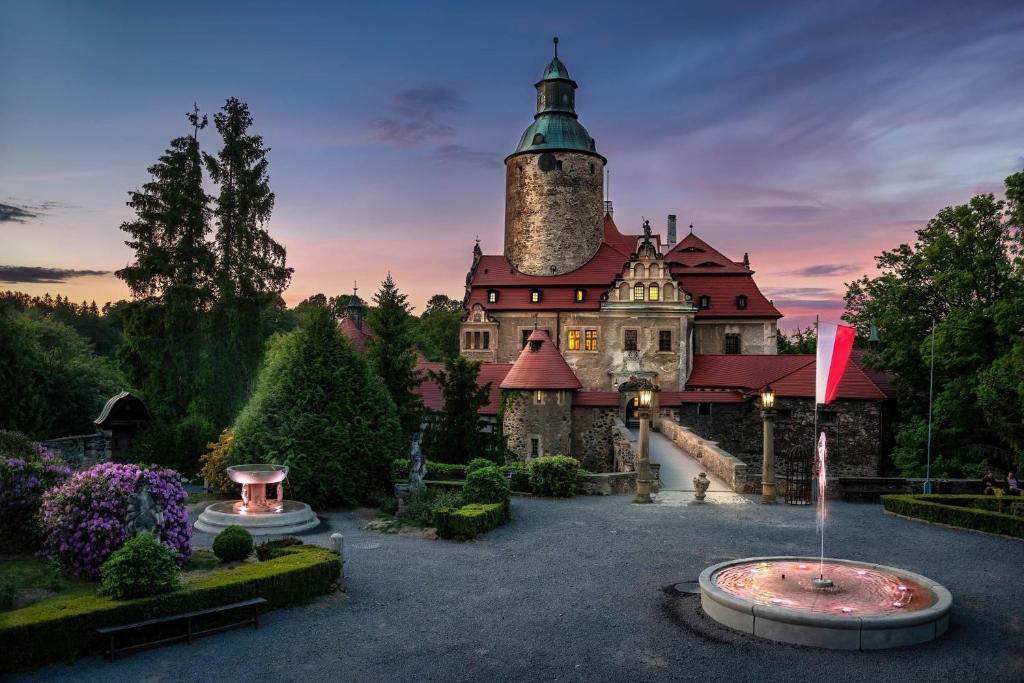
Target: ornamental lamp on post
(644, 389)
(769, 491)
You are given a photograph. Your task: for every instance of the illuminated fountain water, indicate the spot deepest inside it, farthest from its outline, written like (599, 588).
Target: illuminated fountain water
(825, 602)
(256, 512)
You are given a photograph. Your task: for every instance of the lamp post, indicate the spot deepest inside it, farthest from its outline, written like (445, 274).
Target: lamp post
(769, 491)
(644, 389)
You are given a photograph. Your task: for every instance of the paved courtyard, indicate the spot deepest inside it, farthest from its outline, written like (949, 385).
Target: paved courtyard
(579, 590)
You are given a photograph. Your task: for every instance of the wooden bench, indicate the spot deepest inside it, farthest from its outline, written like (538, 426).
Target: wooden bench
(251, 609)
(870, 488)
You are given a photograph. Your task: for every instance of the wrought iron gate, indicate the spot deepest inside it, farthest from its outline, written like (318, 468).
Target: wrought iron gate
(799, 469)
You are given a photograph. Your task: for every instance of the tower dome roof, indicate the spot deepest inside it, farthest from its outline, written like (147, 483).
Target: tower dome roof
(555, 71)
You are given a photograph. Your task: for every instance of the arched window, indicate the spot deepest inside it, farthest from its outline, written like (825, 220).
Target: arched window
(638, 291)
(538, 139)
(653, 293)
(638, 270)
(653, 270)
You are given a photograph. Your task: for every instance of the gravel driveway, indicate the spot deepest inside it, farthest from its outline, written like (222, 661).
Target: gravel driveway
(579, 590)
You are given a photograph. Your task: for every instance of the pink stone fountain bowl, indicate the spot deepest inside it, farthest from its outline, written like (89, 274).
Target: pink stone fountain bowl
(257, 474)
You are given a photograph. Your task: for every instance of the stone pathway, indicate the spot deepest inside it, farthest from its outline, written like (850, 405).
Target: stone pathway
(677, 467)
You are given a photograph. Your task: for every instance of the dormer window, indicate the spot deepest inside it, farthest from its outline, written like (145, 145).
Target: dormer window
(538, 139)
(579, 295)
(535, 295)
(704, 301)
(741, 301)
(492, 296)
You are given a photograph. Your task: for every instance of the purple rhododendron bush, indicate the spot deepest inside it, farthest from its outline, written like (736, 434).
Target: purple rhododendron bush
(84, 519)
(24, 476)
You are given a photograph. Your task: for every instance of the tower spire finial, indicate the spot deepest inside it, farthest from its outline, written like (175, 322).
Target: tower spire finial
(555, 41)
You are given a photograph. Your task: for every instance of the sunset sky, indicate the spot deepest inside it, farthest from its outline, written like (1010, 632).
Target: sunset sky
(812, 135)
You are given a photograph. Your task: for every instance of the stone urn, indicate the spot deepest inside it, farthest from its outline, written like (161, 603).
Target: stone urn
(700, 486)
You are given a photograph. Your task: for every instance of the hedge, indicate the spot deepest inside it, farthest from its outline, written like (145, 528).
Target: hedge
(471, 520)
(955, 510)
(57, 629)
(554, 475)
(435, 470)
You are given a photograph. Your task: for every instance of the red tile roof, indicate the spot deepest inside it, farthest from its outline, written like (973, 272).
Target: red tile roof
(882, 380)
(693, 252)
(722, 291)
(596, 399)
(675, 398)
(360, 337)
(540, 366)
(433, 400)
(791, 375)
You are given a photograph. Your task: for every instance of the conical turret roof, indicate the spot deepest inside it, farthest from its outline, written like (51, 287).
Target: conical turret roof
(540, 366)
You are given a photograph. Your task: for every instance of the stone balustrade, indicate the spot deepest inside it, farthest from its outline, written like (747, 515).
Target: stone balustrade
(717, 462)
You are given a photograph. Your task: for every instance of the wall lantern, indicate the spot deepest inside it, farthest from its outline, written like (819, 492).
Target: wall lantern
(767, 398)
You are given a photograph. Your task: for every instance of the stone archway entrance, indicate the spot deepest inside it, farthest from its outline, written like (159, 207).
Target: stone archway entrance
(632, 413)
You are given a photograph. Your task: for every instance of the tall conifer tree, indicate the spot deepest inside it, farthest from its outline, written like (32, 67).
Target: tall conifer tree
(393, 352)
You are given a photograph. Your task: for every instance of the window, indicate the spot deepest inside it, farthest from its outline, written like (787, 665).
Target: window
(741, 302)
(492, 296)
(591, 169)
(476, 340)
(574, 340)
(538, 397)
(664, 340)
(558, 165)
(579, 295)
(526, 337)
(638, 292)
(630, 340)
(487, 340)
(538, 139)
(590, 340)
(704, 301)
(534, 296)
(703, 408)
(468, 342)
(732, 343)
(534, 446)
(653, 293)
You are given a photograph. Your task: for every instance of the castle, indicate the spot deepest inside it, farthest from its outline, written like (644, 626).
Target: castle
(574, 307)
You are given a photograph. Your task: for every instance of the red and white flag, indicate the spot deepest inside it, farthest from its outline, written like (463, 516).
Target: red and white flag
(834, 345)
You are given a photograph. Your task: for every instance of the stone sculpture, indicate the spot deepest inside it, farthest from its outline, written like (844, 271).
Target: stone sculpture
(417, 463)
(144, 515)
(700, 486)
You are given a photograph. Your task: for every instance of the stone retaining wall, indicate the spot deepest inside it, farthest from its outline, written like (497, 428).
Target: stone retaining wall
(717, 462)
(80, 451)
(606, 484)
(622, 447)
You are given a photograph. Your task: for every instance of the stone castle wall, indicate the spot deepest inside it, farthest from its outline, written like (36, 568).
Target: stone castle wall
(756, 337)
(524, 419)
(553, 216)
(592, 438)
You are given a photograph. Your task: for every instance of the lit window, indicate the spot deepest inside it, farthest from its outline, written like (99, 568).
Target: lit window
(574, 340)
(653, 293)
(638, 292)
(741, 301)
(630, 340)
(705, 301)
(487, 340)
(579, 295)
(538, 397)
(492, 296)
(664, 340)
(590, 340)
(732, 343)
(534, 296)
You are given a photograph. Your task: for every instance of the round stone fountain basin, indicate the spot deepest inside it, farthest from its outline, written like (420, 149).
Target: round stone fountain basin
(292, 518)
(868, 606)
(257, 474)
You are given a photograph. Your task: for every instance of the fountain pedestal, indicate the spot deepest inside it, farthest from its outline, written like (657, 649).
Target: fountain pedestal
(255, 512)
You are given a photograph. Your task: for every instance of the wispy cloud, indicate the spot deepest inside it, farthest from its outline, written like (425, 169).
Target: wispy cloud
(459, 154)
(416, 116)
(38, 274)
(22, 213)
(826, 269)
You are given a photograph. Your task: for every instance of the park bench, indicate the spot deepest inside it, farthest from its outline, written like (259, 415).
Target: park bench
(249, 609)
(870, 488)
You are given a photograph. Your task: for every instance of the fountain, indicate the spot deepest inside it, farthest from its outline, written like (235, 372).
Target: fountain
(257, 513)
(825, 602)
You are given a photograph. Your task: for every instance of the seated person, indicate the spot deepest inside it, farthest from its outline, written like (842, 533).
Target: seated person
(988, 483)
(1012, 485)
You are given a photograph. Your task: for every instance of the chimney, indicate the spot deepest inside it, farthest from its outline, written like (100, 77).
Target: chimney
(608, 207)
(671, 230)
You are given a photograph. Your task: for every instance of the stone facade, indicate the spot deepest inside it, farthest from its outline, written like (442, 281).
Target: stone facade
(82, 450)
(592, 437)
(535, 427)
(554, 210)
(754, 336)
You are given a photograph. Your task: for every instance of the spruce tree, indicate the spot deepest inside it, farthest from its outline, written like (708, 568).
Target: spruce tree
(456, 435)
(393, 353)
(250, 266)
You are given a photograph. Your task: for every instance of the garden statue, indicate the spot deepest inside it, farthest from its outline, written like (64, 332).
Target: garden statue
(144, 515)
(417, 463)
(700, 486)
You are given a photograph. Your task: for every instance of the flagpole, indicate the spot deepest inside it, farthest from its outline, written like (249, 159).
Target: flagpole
(931, 384)
(814, 441)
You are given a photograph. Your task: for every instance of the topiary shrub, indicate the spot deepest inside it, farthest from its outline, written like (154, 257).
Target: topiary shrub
(26, 471)
(215, 464)
(83, 520)
(142, 567)
(479, 464)
(486, 485)
(420, 507)
(271, 549)
(553, 475)
(234, 544)
(471, 520)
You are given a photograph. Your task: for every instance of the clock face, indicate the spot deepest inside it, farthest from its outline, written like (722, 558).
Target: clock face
(547, 162)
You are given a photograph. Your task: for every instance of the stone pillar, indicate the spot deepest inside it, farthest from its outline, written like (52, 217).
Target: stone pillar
(769, 491)
(643, 474)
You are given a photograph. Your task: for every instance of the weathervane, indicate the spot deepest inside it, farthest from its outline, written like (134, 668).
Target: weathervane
(555, 41)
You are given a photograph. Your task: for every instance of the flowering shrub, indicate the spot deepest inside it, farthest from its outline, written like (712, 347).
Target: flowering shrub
(84, 519)
(26, 471)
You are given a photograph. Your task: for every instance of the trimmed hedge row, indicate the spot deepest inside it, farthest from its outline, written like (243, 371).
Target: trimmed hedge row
(470, 521)
(435, 470)
(58, 629)
(955, 510)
